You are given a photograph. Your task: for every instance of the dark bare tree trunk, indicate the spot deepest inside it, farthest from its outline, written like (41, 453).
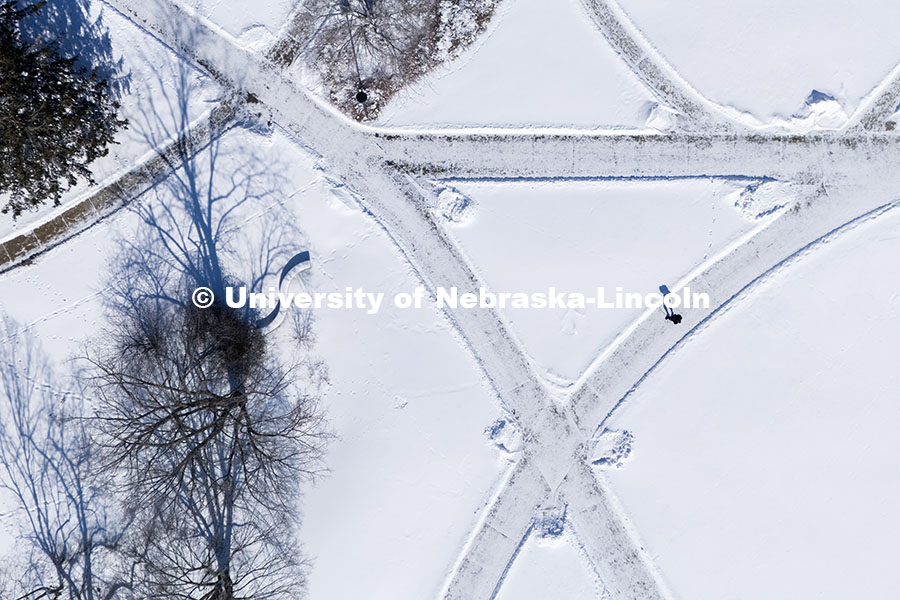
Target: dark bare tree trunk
(208, 432)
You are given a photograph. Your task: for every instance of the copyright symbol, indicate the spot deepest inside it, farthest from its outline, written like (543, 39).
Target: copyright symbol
(202, 297)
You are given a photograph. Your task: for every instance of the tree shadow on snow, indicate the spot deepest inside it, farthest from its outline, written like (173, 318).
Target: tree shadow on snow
(75, 28)
(220, 216)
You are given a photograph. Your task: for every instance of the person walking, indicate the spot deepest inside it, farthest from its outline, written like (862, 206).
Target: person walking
(671, 315)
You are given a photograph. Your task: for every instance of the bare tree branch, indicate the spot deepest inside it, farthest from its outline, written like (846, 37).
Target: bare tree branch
(50, 468)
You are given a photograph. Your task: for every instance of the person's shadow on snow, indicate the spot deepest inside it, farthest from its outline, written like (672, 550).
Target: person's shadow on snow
(671, 315)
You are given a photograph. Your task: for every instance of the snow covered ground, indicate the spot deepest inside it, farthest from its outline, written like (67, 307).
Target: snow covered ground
(526, 70)
(526, 454)
(254, 27)
(578, 235)
(763, 451)
(412, 466)
(551, 566)
(765, 58)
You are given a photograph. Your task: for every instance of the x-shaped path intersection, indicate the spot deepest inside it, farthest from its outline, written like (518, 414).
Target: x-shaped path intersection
(845, 177)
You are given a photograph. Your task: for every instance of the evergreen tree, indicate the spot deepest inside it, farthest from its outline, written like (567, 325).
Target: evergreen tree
(56, 117)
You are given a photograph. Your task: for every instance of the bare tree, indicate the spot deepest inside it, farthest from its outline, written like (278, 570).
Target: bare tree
(369, 45)
(50, 468)
(208, 433)
(213, 437)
